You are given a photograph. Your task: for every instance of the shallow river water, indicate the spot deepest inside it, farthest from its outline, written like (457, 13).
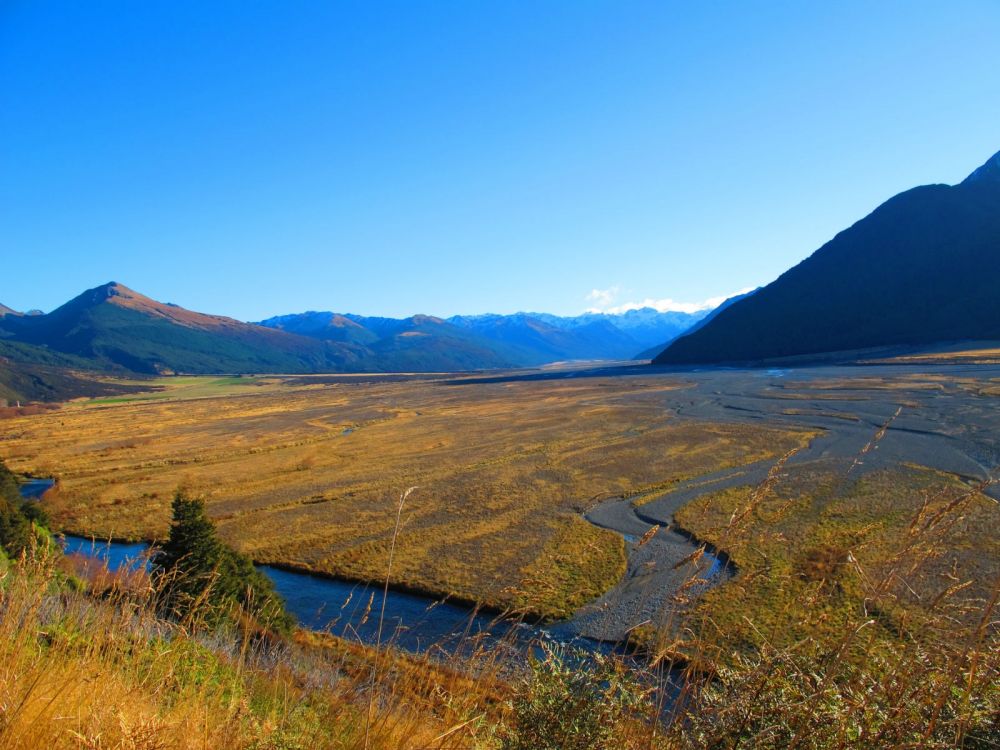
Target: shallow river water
(352, 610)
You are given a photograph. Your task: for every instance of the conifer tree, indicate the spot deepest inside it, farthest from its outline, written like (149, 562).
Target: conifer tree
(203, 577)
(15, 527)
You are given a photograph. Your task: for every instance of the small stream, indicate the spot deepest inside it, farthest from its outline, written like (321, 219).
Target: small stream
(413, 623)
(351, 610)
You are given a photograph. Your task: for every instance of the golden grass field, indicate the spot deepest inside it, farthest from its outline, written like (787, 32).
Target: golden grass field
(307, 472)
(818, 550)
(861, 612)
(984, 353)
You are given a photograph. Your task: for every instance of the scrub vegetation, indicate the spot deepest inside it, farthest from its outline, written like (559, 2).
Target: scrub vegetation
(23, 524)
(810, 549)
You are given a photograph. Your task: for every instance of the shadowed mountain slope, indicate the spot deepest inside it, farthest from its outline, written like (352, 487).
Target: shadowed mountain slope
(923, 268)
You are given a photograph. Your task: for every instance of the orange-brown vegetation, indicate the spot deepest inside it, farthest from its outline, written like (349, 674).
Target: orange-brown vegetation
(305, 472)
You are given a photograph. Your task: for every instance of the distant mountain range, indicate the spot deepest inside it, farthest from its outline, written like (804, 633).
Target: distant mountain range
(113, 329)
(481, 341)
(923, 268)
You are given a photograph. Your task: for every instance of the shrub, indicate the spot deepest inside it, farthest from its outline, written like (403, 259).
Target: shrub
(573, 702)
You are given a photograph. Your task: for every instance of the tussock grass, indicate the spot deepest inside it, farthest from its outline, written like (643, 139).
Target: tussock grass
(505, 471)
(91, 665)
(863, 612)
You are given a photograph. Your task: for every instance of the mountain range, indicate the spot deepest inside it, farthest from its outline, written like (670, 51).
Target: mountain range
(113, 329)
(466, 342)
(923, 268)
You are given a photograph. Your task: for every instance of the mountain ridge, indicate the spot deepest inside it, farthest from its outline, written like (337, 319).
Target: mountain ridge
(523, 338)
(988, 172)
(922, 268)
(116, 330)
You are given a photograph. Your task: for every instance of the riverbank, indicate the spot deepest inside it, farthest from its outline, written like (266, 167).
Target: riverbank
(413, 622)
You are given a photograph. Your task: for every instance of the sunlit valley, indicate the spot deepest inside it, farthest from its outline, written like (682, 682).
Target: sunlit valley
(401, 498)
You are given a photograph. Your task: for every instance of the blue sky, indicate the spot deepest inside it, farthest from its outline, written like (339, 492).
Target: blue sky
(255, 158)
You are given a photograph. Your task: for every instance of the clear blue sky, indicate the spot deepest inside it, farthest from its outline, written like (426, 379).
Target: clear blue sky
(254, 158)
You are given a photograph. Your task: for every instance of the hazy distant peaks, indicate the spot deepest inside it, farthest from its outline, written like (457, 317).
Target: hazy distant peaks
(989, 172)
(520, 339)
(419, 320)
(607, 302)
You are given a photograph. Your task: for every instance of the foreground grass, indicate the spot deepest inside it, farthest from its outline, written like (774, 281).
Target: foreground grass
(864, 613)
(817, 550)
(99, 669)
(913, 662)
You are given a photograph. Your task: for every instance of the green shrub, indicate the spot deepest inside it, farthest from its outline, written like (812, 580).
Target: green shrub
(15, 527)
(574, 701)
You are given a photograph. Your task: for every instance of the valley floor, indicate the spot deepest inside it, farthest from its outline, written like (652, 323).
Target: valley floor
(306, 472)
(847, 515)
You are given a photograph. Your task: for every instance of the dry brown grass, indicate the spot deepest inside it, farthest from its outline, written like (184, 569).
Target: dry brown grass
(95, 668)
(808, 547)
(504, 470)
(980, 355)
(863, 614)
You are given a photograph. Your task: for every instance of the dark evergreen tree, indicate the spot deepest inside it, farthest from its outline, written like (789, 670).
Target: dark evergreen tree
(203, 577)
(15, 527)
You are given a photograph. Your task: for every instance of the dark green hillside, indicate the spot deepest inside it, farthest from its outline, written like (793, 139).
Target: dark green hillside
(36, 373)
(114, 328)
(32, 382)
(923, 268)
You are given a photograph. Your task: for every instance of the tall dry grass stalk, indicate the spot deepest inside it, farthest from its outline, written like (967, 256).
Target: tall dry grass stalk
(381, 614)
